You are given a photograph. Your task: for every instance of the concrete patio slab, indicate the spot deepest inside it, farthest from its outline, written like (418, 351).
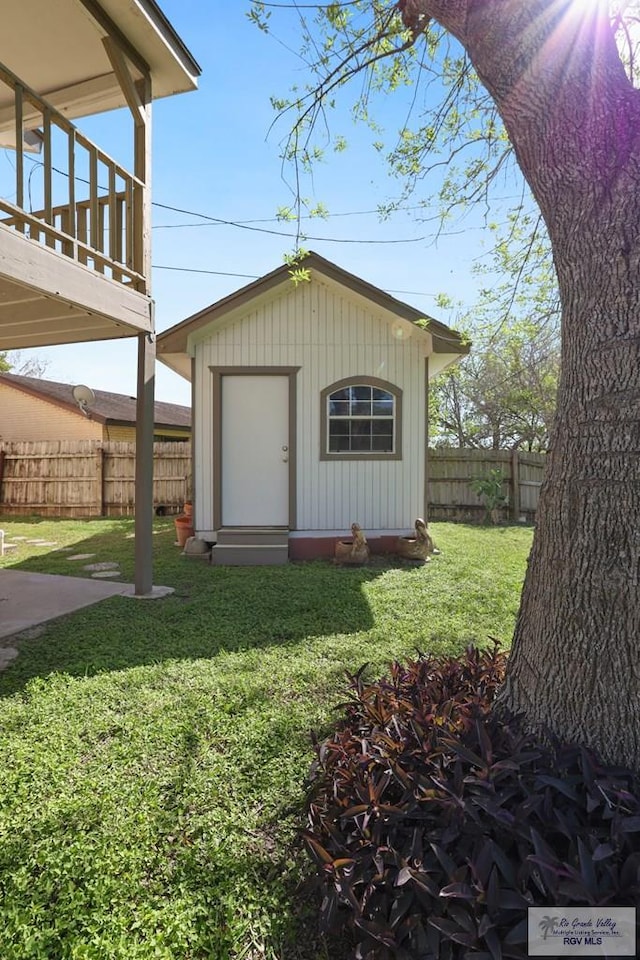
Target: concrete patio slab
(28, 599)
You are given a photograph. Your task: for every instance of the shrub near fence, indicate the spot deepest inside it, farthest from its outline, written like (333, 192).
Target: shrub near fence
(451, 472)
(87, 478)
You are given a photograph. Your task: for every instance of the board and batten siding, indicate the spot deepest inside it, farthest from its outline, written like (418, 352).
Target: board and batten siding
(330, 336)
(25, 417)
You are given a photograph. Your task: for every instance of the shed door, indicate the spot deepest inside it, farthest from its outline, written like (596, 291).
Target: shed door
(255, 450)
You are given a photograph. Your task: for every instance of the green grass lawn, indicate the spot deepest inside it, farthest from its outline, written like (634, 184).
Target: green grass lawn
(153, 753)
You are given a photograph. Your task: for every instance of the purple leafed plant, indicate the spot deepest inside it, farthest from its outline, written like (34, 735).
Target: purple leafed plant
(434, 824)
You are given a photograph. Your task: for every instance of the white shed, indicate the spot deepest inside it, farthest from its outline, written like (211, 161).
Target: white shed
(309, 412)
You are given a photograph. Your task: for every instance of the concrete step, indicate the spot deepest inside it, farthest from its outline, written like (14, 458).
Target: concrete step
(248, 536)
(249, 554)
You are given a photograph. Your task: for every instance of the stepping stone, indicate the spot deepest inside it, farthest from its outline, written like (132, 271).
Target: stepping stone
(43, 543)
(105, 565)
(103, 574)
(7, 655)
(10, 546)
(32, 633)
(81, 556)
(18, 538)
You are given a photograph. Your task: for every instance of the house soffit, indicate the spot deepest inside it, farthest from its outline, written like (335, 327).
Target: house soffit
(57, 50)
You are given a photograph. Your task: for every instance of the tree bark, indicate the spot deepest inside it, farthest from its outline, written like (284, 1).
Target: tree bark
(574, 121)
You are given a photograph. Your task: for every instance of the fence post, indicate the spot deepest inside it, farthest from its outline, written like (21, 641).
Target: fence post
(2, 456)
(515, 486)
(100, 480)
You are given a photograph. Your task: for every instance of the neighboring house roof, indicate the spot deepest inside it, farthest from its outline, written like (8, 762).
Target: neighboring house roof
(174, 341)
(108, 407)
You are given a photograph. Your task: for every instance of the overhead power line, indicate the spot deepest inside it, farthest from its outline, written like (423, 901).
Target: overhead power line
(253, 276)
(217, 273)
(250, 224)
(281, 233)
(239, 225)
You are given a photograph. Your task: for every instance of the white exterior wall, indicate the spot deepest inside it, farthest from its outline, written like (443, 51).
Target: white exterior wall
(330, 335)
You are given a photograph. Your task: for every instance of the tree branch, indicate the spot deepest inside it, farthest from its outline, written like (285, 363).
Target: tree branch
(555, 73)
(451, 14)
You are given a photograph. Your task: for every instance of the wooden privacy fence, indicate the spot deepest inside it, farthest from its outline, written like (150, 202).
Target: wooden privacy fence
(87, 478)
(93, 478)
(451, 496)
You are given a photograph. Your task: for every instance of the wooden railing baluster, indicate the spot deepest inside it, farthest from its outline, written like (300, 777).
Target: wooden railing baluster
(19, 150)
(76, 228)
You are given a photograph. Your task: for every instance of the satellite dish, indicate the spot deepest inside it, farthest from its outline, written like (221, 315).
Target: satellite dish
(84, 397)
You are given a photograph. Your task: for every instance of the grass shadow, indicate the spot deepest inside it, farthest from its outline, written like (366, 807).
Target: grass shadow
(183, 804)
(213, 609)
(152, 807)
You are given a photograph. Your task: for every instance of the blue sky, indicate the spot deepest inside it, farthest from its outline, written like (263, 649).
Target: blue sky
(213, 154)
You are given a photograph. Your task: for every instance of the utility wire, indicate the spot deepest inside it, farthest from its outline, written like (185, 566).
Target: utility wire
(217, 273)
(215, 221)
(249, 224)
(325, 216)
(280, 233)
(253, 276)
(233, 223)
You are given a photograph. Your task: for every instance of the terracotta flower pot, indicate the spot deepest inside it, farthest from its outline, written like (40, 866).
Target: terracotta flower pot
(184, 529)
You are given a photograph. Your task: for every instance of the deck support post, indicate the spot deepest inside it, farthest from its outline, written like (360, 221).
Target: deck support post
(138, 96)
(144, 465)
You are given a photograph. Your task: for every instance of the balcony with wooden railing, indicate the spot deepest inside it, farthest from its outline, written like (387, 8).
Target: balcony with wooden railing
(71, 197)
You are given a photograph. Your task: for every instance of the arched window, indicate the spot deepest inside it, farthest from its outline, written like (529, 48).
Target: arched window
(361, 419)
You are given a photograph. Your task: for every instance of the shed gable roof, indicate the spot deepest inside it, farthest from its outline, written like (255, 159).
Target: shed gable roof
(108, 407)
(174, 340)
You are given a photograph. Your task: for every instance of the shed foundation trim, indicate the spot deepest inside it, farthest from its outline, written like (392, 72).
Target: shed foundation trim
(252, 547)
(308, 545)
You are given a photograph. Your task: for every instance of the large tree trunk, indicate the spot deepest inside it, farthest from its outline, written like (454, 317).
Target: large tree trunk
(574, 120)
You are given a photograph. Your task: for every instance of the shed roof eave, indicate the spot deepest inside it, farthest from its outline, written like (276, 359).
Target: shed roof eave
(179, 362)
(439, 362)
(444, 342)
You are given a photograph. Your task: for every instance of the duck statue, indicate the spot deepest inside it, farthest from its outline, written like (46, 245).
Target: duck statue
(355, 551)
(419, 547)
